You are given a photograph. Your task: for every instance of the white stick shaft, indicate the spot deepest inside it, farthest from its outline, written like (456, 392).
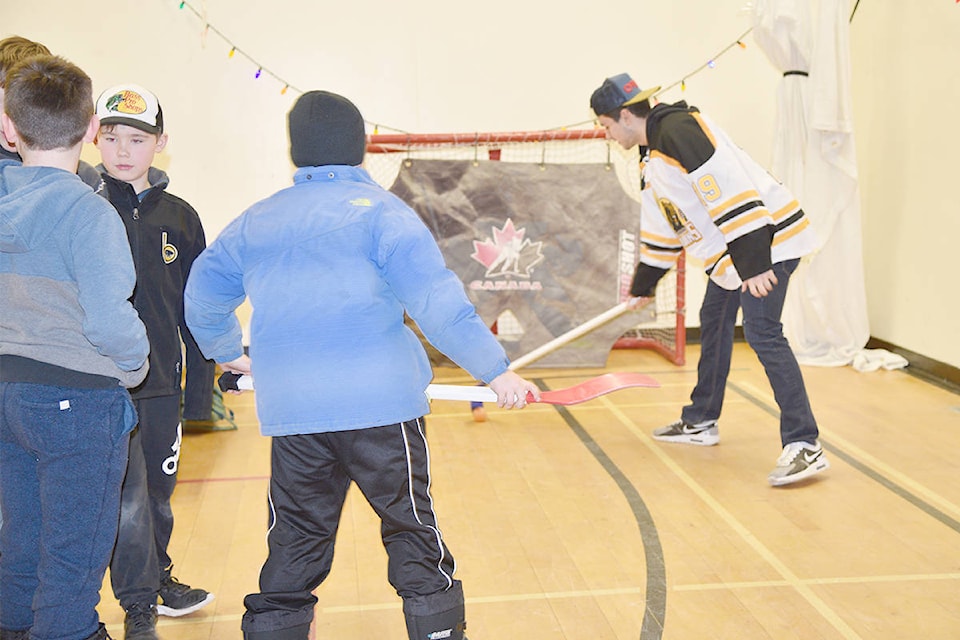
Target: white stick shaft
(434, 391)
(486, 394)
(461, 392)
(569, 336)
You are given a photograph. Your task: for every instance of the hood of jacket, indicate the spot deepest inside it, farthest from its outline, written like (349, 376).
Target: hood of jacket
(157, 178)
(659, 112)
(31, 205)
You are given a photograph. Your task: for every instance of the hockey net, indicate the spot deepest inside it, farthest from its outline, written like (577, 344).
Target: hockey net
(386, 154)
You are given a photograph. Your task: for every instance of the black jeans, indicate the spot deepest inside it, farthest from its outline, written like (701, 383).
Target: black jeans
(146, 517)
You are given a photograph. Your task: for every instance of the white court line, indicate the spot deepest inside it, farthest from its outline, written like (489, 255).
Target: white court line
(789, 577)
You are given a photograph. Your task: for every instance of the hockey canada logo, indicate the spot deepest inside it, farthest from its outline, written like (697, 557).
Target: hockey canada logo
(509, 255)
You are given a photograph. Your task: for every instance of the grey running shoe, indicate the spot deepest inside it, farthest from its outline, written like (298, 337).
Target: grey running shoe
(140, 623)
(704, 434)
(799, 460)
(178, 599)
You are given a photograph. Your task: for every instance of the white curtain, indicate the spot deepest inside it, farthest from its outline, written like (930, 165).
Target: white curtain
(825, 317)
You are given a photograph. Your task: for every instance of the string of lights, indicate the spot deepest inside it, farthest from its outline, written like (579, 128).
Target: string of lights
(261, 70)
(709, 64)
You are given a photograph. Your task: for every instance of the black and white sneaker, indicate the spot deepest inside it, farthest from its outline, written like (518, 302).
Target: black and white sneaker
(705, 434)
(140, 623)
(178, 599)
(799, 460)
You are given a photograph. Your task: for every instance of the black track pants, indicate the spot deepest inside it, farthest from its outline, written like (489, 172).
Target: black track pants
(308, 485)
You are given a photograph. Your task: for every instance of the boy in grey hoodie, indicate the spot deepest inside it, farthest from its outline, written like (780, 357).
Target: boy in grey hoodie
(70, 345)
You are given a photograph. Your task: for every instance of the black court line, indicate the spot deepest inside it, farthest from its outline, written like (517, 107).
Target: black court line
(873, 474)
(655, 609)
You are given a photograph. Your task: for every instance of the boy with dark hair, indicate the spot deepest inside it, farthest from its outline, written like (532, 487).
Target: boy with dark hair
(13, 50)
(327, 263)
(165, 236)
(704, 194)
(70, 342)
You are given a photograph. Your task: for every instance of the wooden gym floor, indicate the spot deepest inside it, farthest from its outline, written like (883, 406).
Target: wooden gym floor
(573, 524)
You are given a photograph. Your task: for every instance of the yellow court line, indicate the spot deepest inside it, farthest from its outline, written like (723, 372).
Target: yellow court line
(922, 491)
(582, 593)
(791, 578)
(516, 597)
(819, 582)
(620, 591)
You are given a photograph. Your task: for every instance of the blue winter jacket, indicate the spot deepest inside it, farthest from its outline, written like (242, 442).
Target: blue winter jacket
(66, 275)
(330, 265)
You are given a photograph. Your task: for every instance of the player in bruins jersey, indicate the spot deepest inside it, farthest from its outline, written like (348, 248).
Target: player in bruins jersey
(704, 194)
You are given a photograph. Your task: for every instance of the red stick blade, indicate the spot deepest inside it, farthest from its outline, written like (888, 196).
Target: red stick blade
(596, 387)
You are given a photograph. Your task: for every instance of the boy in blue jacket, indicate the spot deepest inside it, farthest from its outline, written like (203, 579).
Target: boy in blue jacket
(330, 266)
(70, 344)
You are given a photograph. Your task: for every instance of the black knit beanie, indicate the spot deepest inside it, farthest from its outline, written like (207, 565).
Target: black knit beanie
(326, 129)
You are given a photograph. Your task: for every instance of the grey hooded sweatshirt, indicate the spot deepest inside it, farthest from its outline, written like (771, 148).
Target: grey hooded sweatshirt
(66, 276)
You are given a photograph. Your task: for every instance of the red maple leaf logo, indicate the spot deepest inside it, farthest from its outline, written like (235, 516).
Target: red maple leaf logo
(509, 253)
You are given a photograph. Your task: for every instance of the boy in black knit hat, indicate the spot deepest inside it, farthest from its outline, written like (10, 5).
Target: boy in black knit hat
(326, 263)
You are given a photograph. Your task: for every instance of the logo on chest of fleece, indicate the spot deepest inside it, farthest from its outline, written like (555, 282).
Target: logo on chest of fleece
(167, 251)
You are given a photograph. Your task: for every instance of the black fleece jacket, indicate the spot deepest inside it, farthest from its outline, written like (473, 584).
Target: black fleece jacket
(166, 236)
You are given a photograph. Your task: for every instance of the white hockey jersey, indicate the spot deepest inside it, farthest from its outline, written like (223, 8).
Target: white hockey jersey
(707, 210)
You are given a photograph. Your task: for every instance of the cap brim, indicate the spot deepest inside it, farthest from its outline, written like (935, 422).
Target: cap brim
(132, 122)
(640, 97)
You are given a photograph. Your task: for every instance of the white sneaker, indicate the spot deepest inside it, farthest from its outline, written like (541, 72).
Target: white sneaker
(799, 460)
(704, 434)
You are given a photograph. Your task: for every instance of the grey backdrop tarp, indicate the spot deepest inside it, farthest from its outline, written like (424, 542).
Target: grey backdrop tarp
(555, 245)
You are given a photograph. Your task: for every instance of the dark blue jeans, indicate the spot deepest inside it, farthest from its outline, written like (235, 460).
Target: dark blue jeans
(62, 456)
(764, 333)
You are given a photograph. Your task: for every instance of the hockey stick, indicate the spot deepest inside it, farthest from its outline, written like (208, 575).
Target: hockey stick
(568, 337)
(576, 394)
(476, 406)
(586, 390)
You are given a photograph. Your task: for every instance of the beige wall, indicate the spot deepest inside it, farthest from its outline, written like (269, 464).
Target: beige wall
(906, 97)
(504, 65)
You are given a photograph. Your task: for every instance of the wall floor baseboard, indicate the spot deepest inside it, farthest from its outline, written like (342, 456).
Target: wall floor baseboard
(933, 371)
